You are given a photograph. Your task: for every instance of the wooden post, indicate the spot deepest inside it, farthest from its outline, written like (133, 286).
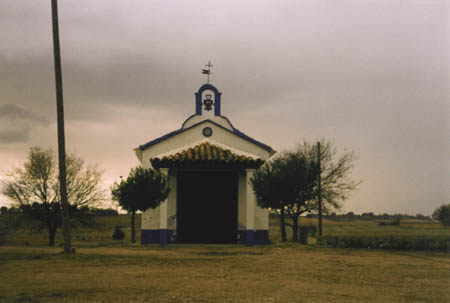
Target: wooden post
(319, 189)
(61, 140)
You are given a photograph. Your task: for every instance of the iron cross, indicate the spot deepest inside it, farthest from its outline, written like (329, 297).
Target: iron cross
(207, 71)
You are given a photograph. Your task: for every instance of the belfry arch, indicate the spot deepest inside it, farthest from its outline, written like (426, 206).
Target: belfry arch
(198, 99)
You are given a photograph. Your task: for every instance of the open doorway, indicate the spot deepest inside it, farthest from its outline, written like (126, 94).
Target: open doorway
(207, 206)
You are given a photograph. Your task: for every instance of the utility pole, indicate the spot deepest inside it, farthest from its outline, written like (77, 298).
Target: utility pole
(61, 141)
(319, 189)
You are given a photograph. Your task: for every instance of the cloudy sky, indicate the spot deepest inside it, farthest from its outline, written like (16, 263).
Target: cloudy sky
(370, 75)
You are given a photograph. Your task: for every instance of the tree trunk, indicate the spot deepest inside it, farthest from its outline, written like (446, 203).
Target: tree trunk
(295, 228)
(133, 231)
(283, 226)
(51, 235)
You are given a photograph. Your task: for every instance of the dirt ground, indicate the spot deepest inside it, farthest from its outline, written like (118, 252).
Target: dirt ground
(228, 273)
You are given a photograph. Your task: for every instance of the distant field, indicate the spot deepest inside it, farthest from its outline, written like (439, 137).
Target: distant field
(366, 228)
(103, 231)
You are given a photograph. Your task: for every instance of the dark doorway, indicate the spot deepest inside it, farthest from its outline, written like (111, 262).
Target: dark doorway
(207, 207)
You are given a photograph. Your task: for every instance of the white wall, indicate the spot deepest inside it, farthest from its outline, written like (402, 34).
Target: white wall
(150, 218)
(193, 135)
(218, 119)
(242, 200)
(172, 199)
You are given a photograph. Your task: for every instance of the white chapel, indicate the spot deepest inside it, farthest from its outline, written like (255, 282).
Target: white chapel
(209, 163)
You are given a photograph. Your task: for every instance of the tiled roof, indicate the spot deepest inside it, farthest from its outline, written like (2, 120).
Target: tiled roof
(206, 154)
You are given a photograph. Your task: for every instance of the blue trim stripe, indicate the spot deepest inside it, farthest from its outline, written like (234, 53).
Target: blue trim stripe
(158, 236)
(163, 237)
(260, 237)
(192, 116)
(185, 121)
(250, 237)
(235, 131)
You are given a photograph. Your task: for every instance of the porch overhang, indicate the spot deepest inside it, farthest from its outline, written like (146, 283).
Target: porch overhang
(206, 155)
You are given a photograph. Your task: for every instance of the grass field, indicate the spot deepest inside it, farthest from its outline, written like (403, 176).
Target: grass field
(103, 231)
(367, 228)
(103, 270)
(211, 273)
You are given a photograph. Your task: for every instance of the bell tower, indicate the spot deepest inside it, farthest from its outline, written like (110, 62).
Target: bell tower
(206, 101)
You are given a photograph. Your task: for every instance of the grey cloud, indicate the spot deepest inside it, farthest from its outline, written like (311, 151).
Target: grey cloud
(14, 112)
(15, 135)
(152, 56)
(372, 76)
(17, 123)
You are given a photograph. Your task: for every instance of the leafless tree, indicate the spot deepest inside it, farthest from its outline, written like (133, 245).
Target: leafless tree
(35, 187)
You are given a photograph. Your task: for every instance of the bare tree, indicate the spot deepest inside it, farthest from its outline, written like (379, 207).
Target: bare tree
(336, 180)
(289, 184)
(35, 187)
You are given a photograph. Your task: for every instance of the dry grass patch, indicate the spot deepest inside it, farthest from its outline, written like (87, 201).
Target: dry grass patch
(213, 273)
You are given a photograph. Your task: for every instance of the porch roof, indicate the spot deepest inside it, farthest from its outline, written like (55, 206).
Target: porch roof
(206, 155)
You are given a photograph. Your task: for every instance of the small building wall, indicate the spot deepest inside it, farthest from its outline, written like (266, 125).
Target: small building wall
(242, 207)
(261, 219)
(151, 217)
(197, 118)
(150, 222)
(172, 206)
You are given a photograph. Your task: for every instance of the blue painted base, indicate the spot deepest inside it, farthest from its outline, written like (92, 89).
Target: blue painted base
(262, 237)
(158, 236)
(253, 237)
(165, 236)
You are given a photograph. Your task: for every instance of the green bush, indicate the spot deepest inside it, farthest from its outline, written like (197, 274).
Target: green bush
(395, 221)
(394, 243)
(442, 214)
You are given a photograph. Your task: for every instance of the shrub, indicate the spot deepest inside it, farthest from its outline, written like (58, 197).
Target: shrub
(395, 221)
(104, 212)
(118, 234)
(395, 243)
(442, 214)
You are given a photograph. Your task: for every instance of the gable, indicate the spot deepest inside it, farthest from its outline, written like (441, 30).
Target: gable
(203, 126)
(182, 138)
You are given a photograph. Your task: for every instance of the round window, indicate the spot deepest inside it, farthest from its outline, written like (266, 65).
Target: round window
(207, 132)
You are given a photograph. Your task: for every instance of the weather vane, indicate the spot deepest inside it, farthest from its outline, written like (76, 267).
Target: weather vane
(207, 71)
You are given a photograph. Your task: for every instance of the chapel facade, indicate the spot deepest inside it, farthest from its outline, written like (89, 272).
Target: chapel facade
(209, 163)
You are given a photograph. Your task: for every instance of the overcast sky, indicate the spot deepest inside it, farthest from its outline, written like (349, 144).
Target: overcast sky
(372, 76)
